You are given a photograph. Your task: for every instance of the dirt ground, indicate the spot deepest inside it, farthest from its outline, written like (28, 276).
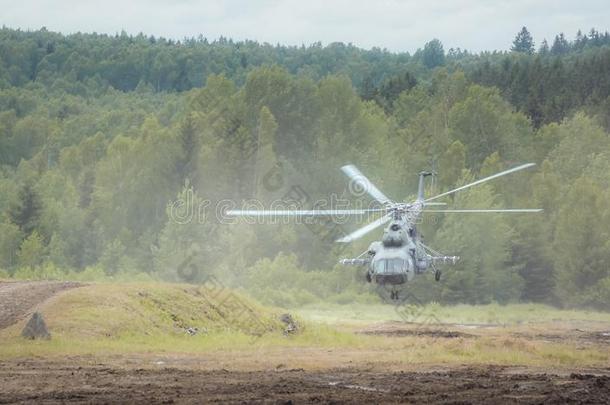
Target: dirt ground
(329, 376)
(20, 299)
(49, 382)
(580, 333)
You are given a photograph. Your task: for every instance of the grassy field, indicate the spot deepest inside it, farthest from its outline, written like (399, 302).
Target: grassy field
(494, 314)
(105, 320)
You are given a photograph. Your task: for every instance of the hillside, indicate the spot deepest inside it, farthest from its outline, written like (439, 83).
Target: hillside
(146, 313)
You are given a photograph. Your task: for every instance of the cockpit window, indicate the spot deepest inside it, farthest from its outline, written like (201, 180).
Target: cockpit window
(390, 266)
(380, 266)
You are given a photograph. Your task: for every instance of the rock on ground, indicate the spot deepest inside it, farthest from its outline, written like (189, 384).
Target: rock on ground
(36, 328)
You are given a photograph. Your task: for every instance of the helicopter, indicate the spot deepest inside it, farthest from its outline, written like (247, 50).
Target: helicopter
(401, 254)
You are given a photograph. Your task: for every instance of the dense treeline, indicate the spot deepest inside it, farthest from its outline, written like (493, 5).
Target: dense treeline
(124, 61)
(101, 138)
(548, 87)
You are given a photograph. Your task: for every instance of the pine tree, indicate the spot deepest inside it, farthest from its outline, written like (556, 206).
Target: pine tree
(391, 88)
(190, 148)
(25, 212)
(544, 48)
(581, 40)
(523, 42)
(368, 90)
(560, 45)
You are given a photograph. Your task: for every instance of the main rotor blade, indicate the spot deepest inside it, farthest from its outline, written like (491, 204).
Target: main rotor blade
(514, 169)
(296, 213)
(357, 234)
(491, 210)
(360, 180)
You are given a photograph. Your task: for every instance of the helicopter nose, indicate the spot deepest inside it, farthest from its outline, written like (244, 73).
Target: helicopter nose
(391, 278)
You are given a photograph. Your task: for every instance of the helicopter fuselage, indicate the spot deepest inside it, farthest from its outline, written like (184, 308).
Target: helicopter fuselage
(397, 258)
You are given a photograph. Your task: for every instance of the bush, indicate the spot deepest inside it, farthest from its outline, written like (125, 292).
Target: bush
(283, 282)
(48, 271)
(598, 296)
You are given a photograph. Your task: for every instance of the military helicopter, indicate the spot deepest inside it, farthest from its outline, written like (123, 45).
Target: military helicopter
(401, 254)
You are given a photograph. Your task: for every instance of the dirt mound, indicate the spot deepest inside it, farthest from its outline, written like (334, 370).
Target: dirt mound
(33, 381)
(399, 329)
(112, 310)
(18, 299)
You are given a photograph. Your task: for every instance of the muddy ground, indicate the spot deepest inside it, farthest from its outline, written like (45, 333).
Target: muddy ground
(329, 377)
(580, 333)
(48, 382)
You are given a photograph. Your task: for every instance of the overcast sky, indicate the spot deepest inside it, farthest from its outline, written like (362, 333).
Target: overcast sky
(398, 25)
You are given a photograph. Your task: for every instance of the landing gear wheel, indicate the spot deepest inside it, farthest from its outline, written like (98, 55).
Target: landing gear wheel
(437, 275)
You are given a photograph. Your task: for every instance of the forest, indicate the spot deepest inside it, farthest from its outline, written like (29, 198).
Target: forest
(116, 152)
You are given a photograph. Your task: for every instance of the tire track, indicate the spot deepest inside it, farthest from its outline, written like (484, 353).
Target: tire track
(18, 299)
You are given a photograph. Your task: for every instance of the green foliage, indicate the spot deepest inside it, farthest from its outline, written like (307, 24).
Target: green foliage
(111, 258)
(453, 163)
(282, 282)
(597, 296)
(560, 45)
(485, 122)
(25, 212)
(10, 240)
(581, 244)
(433, 54)
(391, 88)
(523, 42)
(32, 251)
(544, 86)
(483, 243)
(186, 245)
(102, 138)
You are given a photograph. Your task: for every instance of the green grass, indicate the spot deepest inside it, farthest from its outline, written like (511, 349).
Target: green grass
(150, 309)
(358, 349)
(459, 314)
(153, 317)
(102, 320)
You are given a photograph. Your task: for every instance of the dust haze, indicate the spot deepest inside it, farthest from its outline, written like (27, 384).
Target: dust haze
(139, 162)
